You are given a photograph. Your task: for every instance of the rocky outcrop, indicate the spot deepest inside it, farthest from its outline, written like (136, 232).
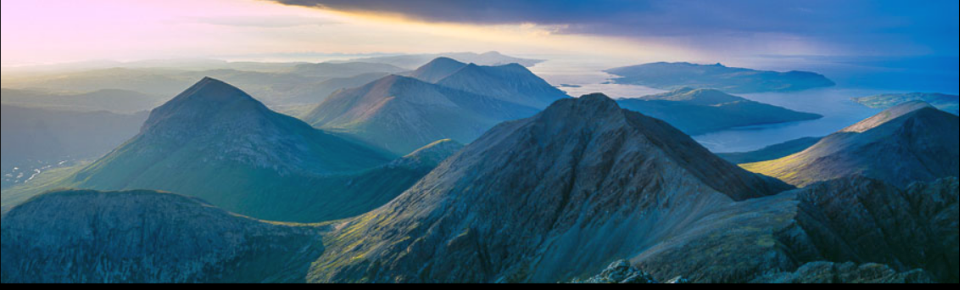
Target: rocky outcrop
(147, 237)
(905, 144)
(846, 273)
(620, 272)
(545, 199)
(855, 219)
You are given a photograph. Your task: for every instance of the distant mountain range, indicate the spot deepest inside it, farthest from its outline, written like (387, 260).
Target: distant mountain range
(701, 111)
(117, 101)
(947, 103)
(35, 140)
(414, 61)
(295, 85)
(907, 143)
(552, 198)
(216, 142)
(444, 99)
(671, 76)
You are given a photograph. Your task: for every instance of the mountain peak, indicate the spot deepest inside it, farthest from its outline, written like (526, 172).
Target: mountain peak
(438, 69)
(908, 143)
(888, 115)
(201, 104)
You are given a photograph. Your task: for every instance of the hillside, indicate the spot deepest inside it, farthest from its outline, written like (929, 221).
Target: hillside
(771, 152)
(147, 237)
(511, 83)
(216, 142)
(908, 143)
(671, 76)
(947, 103)
(402, 114)
(35, 140)
(701, 111)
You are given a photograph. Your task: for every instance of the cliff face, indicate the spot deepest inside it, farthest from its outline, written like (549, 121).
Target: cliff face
(147, 237)
(542, 200)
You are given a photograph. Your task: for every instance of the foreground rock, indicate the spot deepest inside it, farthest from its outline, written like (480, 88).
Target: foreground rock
(847, 273)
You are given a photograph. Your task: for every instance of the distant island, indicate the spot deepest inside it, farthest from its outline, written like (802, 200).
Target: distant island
(671, 76)
(702, 111)
(946, 103)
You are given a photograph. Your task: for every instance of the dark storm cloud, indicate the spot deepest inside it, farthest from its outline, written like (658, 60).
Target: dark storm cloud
(932, 24)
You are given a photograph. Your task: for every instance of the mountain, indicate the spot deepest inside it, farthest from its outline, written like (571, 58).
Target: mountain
(701, 111)
(294, 85)
(35, 140)
(437, 70)
(544, 199)
(116, 101)
(908, 143)
(417, 60)
(216, 142)
(771, 152)
(510, 83)
(402, 114)
(947, 103)
(670, 76)
(147, 237)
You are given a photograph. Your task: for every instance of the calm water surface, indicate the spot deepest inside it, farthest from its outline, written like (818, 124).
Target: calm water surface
(834, 104)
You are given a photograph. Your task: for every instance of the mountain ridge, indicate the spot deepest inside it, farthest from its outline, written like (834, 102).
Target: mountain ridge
(905, 144)
(580, 162)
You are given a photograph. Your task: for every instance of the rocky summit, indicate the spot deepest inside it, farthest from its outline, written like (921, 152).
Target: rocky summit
(545, 199)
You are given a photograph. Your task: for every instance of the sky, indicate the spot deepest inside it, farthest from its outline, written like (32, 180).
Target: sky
(56, 31)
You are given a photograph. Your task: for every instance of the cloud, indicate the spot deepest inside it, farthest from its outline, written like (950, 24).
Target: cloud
(926, 25)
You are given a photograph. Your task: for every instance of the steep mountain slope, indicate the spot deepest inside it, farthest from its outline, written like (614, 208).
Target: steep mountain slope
(544, 199)
(908, 143)
(700, 111)
(147, 237)
(402, 114)
(217, 143)
(670, 76)
(947, 103)
(771, 152)
(510, 83)
(33, 140)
